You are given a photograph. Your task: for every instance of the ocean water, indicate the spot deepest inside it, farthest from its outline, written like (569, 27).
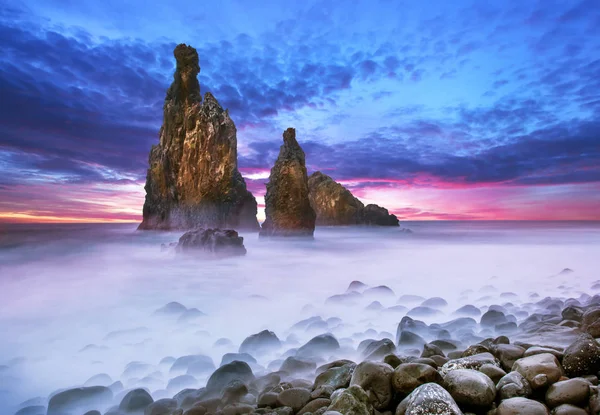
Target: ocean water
(80, 300)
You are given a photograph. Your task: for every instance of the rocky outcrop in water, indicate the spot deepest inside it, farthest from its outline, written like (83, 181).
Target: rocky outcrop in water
(335, 205)
(287, 205)
(213, 242)
(193, 178)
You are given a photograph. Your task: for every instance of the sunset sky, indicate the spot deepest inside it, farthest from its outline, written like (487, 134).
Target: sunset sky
(435, 110)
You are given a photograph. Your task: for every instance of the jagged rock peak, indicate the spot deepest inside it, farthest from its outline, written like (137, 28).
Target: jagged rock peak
(287, 206)
(185, 86)
(193, 180)
(335, 205)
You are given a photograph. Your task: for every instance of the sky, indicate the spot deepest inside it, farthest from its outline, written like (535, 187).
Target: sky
(457, 110)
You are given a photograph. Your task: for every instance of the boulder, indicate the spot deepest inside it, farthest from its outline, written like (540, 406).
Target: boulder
(582, 357)
(335, 377)
(79, 399)
(430, 399)
(375, 379)
(319, 345)
(211, 242)
(470, 388)
(469, 362)
(221, 377)
(260, 343)
(574, 391)
(521, 406)
(295, 398)
(513, 385)
(193, 179)
(508, 354)
(135, 400)
(351, 401)
(541, 370)
(314, 405)
(567, 409)
(287, 205)
(293, 365)
(409, 376)
(161, 407)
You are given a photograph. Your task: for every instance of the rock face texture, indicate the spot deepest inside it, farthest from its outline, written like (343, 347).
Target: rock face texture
(213, 242)
(287, 206)
(335, 205)
(193, 178)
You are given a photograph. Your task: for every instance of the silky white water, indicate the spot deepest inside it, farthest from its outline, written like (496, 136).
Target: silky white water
(78, 300)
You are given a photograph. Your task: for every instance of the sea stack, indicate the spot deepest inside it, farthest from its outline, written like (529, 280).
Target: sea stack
(287, 206)
(193, 180)
(336, 206)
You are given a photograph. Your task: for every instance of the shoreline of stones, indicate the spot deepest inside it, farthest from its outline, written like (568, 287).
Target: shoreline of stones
(492, 377)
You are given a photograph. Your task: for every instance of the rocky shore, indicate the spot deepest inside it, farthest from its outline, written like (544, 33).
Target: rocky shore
(537, 357)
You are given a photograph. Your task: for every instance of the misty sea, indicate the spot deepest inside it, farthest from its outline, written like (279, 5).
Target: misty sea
(79, 300)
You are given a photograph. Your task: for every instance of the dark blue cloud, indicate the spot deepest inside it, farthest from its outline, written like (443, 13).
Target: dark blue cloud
(472, 93)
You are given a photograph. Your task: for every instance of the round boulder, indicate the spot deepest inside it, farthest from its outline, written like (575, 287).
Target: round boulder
(540, 370)
(513, 385)
(470, 388)
(135, 400)
(353, 400)
(430, 399)
(521, 406)
(582, 357)
(376, 380)
(295, 398)
(573, 391)
(409, 376)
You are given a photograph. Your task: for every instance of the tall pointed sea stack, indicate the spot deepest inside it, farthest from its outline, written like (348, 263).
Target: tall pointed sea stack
(193, 178)
(335, 205)
(287, 207)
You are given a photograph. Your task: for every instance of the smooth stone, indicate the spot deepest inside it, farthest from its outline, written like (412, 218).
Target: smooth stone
(540, 370)
(295, 398)
(351, 401)
(375, 379)
(293, 365)
(428, 399)
(409, 376)
(470, 362)
(161, 407)
(470, 387)
(582, 357)
(513, 385)
(260, 343)
(567, 409)
(135, 400)
(221, 377)
(82, 399)
(508, 354)
(521, 406)
(335, 377)
(314, 405)
(493, 372)
(573, 391)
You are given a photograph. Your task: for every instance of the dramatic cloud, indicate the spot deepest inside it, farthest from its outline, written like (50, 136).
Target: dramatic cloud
(450, 98)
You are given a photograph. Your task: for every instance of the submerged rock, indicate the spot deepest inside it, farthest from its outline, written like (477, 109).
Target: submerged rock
(79, 399)
(335, 205)
(193, 179)
(213, 242)
(287, 206)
